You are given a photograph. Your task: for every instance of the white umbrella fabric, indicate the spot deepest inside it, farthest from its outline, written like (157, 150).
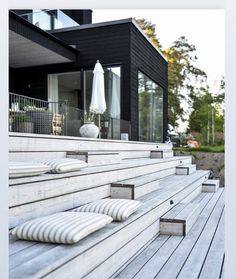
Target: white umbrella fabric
(98, 102)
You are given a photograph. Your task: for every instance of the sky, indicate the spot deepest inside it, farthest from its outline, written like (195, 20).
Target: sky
(203, 28)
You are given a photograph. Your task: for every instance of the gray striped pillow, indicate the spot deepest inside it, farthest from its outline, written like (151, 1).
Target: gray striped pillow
(63, 227)
(118, 209)
(64, 165)
(22, 169)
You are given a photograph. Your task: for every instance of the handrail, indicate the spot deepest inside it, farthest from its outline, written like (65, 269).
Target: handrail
(32, 115)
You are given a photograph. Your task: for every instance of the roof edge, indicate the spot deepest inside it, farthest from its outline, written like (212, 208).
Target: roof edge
(146, 37)
(108, 23)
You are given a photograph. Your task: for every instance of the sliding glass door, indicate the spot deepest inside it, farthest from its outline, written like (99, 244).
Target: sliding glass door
(75, 90)
(150, 96)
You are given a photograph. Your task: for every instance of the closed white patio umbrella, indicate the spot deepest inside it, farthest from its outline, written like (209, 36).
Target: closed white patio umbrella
(98, 102)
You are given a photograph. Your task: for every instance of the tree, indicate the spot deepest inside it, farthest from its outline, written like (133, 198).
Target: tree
(150, 30)
(182, 73)
(182, 77)
(207, 116)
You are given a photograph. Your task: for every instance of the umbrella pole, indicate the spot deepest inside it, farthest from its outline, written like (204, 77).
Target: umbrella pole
(99, 126)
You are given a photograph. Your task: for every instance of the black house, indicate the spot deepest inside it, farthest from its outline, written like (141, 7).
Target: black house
(52, 54)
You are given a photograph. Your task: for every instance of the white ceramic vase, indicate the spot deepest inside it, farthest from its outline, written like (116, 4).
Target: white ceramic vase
(89, 130)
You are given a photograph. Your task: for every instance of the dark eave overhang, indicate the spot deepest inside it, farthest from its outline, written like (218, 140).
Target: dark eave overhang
(37, 39)
(108, 23)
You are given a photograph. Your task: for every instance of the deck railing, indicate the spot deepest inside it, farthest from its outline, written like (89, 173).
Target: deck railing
(30, 115)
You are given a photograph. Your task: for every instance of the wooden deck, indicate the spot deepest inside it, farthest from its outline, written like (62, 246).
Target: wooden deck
(200, 254)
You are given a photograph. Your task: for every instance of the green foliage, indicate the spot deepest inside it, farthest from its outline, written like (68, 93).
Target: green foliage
(22, 118)
(188, 83)
(150, 30)
(89, 117)
(182, 76)
(206, 111)
(213, 149)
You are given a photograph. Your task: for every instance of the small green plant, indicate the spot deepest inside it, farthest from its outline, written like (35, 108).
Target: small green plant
(220, 168)
(89, 117)
(22, 118)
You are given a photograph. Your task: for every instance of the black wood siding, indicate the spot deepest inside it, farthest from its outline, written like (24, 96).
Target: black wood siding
(145, 58)
(111, 45)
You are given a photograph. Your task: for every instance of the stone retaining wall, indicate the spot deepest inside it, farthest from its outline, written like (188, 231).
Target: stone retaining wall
(208, 161)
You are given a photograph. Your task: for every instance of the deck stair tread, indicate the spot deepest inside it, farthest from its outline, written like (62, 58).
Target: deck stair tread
(53, 256)
(97, 169)
(182, 207)
(96, 158)
(138, 186)
(161, 153)
(180, 222)
(210, 185)
(39, 196)
(185, 169)
(184, 210)
(166, 256)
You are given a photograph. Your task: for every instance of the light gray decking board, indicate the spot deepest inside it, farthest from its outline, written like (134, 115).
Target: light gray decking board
(54, 257)
(25, 212)
(143, 179)
(171, 186)
(134, 266)
(193, 264)
(65, 202)
(33, 251)
(107, 268)
(175, 211)
(213, 262)
(29, 192)
(170, 270)
(166, 184)
(154, 265)
(16, 246)
(33, 142)
(150, 269)
(187, 220)
(178, 258)
(187, 211)
(101, 169)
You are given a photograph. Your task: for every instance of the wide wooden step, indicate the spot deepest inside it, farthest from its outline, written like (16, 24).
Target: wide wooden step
(211, 185)
(104, 252)
(185, 169)
(49, 193)
(161, 153)
(139, 186)
(96, 158)
(180, 219)
(201, 251)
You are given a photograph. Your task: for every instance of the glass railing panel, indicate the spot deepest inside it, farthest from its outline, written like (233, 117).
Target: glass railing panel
(30, 115)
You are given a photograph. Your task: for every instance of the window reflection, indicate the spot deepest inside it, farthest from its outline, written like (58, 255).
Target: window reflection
(150, 110)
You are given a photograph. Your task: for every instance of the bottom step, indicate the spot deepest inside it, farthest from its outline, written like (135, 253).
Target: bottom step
(180, 219)
(210, 185)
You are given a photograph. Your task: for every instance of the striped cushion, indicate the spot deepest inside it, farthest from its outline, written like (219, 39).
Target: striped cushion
(64, 165)
(22, 169)
(118, 209)
(63, 227)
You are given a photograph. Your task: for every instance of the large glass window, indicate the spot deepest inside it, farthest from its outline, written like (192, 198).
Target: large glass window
(150, 96)
(66, 88)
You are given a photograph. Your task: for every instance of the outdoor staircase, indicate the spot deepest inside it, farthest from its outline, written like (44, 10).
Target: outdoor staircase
(173, 194)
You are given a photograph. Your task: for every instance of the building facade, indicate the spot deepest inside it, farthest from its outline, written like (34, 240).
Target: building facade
(52, 56)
